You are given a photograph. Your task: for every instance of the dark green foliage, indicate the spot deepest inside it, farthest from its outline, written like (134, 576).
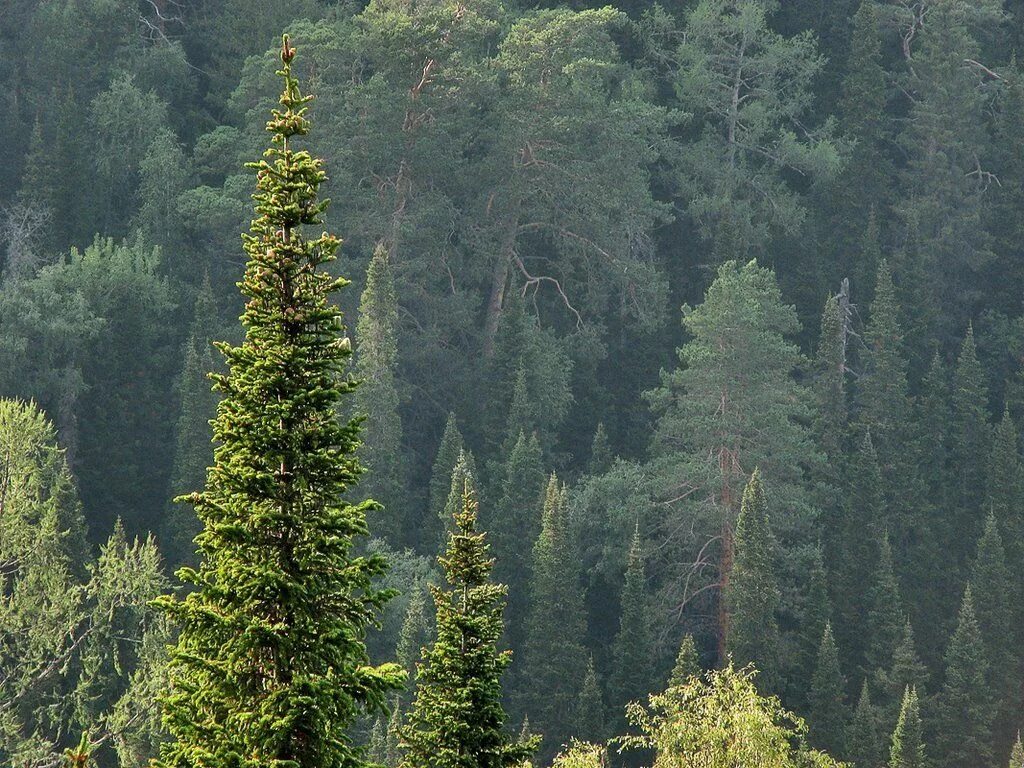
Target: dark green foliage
(829, 715)
(377, 399)
(830, 387)
(907, 671)
(440, 485)
(863, 746)
(515, 525)
(457, 719)
(907, 750)
(752, 594)
(687, 664)
(601, 456)
(554, 659)
(590, 715)
(282, 674)
(885, 619)
(633, 650)
(969, 443)
(963, 707)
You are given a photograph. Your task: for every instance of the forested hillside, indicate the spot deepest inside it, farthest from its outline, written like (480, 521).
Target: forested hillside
(682, 341)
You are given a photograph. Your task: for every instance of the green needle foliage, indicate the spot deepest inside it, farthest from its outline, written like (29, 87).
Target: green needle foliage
(270, 669)
(907, 741)
(457, 719)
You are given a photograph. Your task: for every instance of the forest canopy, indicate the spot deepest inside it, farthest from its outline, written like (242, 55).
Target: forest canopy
(592, 384)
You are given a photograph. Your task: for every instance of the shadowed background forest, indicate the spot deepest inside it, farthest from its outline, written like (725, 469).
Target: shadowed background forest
(605, 261)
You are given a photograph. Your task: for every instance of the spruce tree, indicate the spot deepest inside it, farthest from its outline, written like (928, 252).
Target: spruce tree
(885, 619)
(990, 581)
(752, 595)
(817, 613)
(514, 527)
(457, 719)
(828, 716)
(413, 635)
(440, 485)
(907, 749)
(687, 664)
(1017, 754)
(862, 742)
(590, 714)
(463, 473)
(963, 708)
(554, 656)
(1004, 490)
(969, 445)
(907, 671)
(270, 667)
(632, 651)
(377, 398)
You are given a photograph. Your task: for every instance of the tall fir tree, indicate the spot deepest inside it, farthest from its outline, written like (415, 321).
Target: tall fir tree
(885, 619)
(1004, 489)
(440, 485)
(601, 455)
(753, 593)
(377, 399)
(632, 651)
(964, 705)
(687, 664)
(969, 446)
(828, 715)
(515, 525)
(590, 710)
(463, 473)
(991, 585)
(907, 750)
(1017, 754)
(907, 671)
(830, 386)
(457, 719)
(554, 655)
(413, 636)
(270, 667)
(817, 612)
(863, 747)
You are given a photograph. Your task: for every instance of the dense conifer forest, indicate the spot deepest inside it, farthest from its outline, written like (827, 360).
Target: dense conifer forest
(590, 385)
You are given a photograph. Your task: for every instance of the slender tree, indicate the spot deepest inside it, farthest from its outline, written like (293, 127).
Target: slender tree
(270, 667)
(963, 709)
(863, 745)
(377, 398)
(440, 485)
(753, 593)
(829, 716)
(457, 719)
(554, 656)
(590, 711)
(907, 749)
(632, 651)
(969, 445)
(687, 664)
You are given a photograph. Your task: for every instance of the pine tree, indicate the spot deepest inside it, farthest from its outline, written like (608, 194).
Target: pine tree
(1017, 754)
(632, 651)
(969, 445)
(590, 715)
(515, 525)
(816, 614)
(863, 746)
(687, 664)
(885, 619)
(1004, 490)
(963, 707)
(752, 596)
(377, 398)
(908, 740)
(554, 656)
(282, 673)
(907, 671)
(828, 718)
(463, 473)
(990, 580)
(457, 720)
(440, 485)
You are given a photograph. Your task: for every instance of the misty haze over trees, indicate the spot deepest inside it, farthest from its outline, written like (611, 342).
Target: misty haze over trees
(679, 347)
